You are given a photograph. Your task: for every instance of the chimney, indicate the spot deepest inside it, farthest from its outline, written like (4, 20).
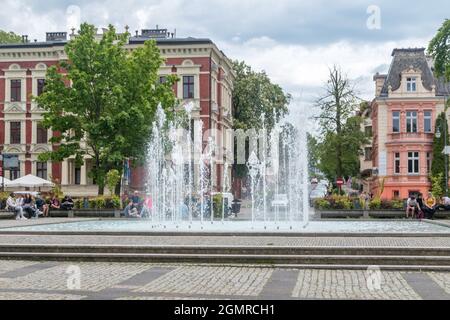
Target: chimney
(379, 83)
(56, 36)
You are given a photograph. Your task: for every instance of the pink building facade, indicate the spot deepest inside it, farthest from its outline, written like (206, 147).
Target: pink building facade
(408, 100)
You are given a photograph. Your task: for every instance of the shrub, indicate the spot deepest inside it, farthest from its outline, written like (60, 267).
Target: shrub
(103, 202)
(112, 179)
(397, 204)
(78, 203)
(334, 202)
(342, 202)
(115, 202)
(217, 205)
(375, 204)
(322, 204)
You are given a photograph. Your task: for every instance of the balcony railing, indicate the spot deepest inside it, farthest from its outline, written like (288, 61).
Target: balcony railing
(401, 136)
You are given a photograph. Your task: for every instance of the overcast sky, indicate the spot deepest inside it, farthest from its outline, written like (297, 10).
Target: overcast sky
(294, 41)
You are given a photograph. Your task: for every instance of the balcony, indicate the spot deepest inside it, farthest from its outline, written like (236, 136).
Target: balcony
(405, 137)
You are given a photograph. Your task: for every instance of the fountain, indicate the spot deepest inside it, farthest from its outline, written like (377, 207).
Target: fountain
(171, 185)
(181, 162)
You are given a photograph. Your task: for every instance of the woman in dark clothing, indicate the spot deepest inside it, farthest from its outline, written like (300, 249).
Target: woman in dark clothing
(28, 206)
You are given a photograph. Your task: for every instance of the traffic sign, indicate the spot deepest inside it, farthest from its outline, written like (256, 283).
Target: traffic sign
(339, 181)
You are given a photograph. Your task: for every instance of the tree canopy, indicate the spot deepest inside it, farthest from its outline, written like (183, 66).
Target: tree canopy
(9, 37)
(342, 138)
(108, 109)
(255, 94)
(439, 49)
(438, 162)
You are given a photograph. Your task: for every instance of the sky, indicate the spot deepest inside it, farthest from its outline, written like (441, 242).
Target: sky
(294, 41)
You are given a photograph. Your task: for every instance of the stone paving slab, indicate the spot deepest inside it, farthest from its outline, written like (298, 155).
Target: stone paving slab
(320, 241)
(12, 223)
(354, 284)
(147, 281)
(430, 290)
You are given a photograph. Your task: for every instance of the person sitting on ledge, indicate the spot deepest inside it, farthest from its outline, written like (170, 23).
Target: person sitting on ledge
(67, 203)
(411, 206)
(55, 204)
(445, 203)
(131, 211)
(429, 206)
(42, 206)
(13, 207)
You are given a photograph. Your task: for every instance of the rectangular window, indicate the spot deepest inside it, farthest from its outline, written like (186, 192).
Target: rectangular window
(78, 175)
(397, 163)
(413, 162)
(367, 154)
(41, 170)
(411, 121)
(396, 121)
(396, 194)
(16, 90)
(40, 86)
(15, 132)
(41, 134)
(411, 84)
(14, 174)
(188, 87)
(428, 162)
(427, 121)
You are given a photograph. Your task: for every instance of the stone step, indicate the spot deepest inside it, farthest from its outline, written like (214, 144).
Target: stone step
(225, 250)
(366, 260)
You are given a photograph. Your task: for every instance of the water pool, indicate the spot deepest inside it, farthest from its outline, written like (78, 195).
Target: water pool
(396, 226)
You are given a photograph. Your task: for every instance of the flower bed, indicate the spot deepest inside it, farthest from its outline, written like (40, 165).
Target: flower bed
(336, 202)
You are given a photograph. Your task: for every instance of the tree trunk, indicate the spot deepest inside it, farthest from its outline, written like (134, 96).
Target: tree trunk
(118, 187)
(101, 189)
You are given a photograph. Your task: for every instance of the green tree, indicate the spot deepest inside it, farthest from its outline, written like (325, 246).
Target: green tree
(436, 185)
(439, 49)
(349, 143)
(342, 139)
(313, 154)
(254, 94)
(9, 37)
(108, 110)
(438, 162)
(112, 179)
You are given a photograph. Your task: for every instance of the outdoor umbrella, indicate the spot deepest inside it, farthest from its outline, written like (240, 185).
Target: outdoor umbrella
(29, 181)
(6, 180)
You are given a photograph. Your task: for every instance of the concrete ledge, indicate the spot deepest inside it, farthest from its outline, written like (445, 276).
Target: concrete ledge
(391, 214)
(86, 213)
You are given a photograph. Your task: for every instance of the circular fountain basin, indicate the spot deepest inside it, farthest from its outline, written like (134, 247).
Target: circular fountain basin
(239, 227)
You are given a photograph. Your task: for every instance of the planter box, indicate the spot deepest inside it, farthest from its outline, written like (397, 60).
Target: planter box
(87, 213)
(331, 214)
(387, 213)
(382, 214)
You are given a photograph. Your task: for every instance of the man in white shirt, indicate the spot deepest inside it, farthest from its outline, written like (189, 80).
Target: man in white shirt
(445, 204)
(14, 205)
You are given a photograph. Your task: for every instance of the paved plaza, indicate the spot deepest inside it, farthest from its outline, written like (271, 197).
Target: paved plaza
(136, 281)
(78, 280)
